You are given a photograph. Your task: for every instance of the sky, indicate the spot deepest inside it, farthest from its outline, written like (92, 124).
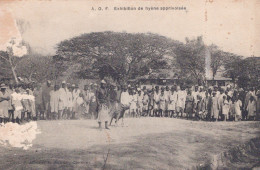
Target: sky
(233, 25)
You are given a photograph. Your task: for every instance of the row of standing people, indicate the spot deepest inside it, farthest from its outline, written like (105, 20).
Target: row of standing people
(16, 104)
(69, 102)
(199, 103)
(24, 103)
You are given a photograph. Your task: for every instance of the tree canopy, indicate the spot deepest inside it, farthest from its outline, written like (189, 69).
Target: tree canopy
(123, 55)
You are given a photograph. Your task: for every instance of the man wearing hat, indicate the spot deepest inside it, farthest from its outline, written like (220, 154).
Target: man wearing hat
(46, 99)
(4, 103)
(103, 101)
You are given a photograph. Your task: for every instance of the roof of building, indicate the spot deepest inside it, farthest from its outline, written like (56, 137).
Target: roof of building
(219, 78)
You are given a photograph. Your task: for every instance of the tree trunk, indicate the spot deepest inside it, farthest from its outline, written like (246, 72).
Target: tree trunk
(13, 70)
(213, 75)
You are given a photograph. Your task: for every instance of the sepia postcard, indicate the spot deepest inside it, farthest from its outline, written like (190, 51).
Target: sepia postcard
(127, 84)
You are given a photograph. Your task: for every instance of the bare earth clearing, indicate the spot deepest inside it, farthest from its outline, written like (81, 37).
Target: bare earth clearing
(145, 143)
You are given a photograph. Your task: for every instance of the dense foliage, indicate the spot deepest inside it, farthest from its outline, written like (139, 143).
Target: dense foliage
(124, 56)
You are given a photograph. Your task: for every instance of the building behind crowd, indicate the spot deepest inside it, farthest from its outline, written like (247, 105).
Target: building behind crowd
(219, 81)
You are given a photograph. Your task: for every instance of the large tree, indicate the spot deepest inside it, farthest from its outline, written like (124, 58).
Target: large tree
(122, 55)
(190, 58)
(246, 71)
(216, 59)
(35, 67)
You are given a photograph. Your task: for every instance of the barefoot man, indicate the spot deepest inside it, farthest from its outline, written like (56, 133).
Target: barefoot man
(103, 100)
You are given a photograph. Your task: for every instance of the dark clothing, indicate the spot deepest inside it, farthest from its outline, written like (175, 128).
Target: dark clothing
(103, 103)
(113, 96)
(46, 97)
(189, 105)
(102, 96)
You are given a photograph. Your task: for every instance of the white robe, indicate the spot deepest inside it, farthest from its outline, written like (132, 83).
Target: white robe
(133, 103)
(16, 101)
(54, 101)
(75, 96)
(63, 99)
(156, 99)
(251, 108)
(225, 107)
(125, 98)
(172, 101)
(181, 99)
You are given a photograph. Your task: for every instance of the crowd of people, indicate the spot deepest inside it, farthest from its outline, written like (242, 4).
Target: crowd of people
(197, 103)
(25, 102)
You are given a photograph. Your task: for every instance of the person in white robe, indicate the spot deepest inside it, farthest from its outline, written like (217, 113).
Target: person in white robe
(17, 105)
(238, 106)
(180, 104)
(54, 102)
(215, 107)
(140, 98)
(202, 93)
(251, 108)
(156, 101)
(146, 100)
(4, 103)
(195, 93)
(125, 100)
(70, 100)
(75, 100)
(133, 104)
(220, 101)
(162, 105)
(225, 108)
(172, 102)
(63, 101)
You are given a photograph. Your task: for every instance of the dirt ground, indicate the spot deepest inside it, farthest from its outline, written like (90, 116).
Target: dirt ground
(142, 143)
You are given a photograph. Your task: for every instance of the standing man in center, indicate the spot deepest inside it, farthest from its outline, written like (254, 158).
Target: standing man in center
(103, 102)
